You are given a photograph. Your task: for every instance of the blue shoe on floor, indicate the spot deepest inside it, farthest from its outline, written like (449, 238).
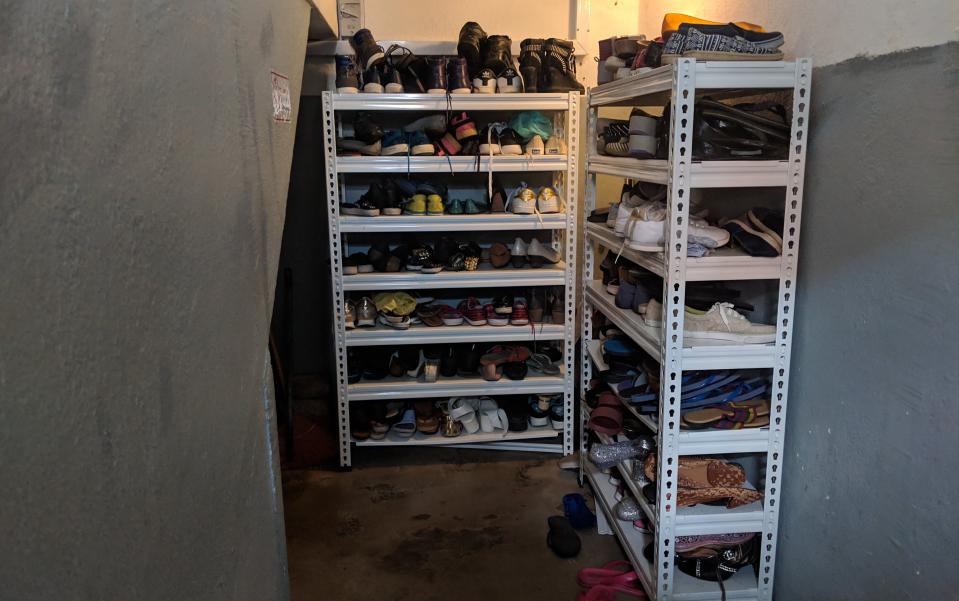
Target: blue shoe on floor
(577, 512)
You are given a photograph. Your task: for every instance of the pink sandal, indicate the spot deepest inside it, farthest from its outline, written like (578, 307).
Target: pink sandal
(603, 583)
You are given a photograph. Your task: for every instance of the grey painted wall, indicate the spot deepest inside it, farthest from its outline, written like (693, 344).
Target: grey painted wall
(142, 193)
(871, 484)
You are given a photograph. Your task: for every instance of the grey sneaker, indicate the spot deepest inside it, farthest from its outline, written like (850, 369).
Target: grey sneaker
(366, 312)
(721, 322)
(537, 249)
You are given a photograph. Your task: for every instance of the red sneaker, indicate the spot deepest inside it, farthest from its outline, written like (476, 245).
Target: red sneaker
(520, 315)
(473, 311)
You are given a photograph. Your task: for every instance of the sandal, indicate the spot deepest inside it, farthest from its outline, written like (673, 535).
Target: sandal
(406, 427)
(491, 417)
(540, 362)
(504, 354)
(430, 315)
(577, 512)
(427, 420)
(606, 420)
(462, 409)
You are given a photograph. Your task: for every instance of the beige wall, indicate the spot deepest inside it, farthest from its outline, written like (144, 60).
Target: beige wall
(829, 31)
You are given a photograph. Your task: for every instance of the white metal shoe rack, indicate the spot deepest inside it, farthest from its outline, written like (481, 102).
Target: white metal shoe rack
(679, 83)
(562, 230)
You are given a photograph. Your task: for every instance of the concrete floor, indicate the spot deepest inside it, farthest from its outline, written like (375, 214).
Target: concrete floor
(433, 524)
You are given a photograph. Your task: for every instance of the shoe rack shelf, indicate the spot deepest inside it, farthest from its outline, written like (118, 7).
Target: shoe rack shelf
(458, 164)
(679, 84)
(487, 222)
(561, 229)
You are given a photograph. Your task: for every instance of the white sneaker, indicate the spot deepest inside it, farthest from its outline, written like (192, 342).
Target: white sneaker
(535, 146)
(623, 215)
(700, 232)
(645, 228)
(524, 201)
(548, 201)
(721, 322)
(555, 146)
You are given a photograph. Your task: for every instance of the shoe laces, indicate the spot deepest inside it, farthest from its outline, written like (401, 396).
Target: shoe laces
(730, 315)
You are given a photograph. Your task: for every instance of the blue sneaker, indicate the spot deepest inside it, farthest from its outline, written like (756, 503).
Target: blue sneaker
(394, 142)
(420, 145)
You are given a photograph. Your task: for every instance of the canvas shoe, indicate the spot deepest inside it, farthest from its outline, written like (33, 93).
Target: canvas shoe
(484, 82)
(416, 205)
(394, 143)
(538, 253)
(693, 42)
(523, 201)
(642, 135)
(518, 252)
(457, 76)
(473, 311)
(489, 141)
(495, 319)
(368, 52)
(510, 142)
(419, 144)
(463, 127)
(503, 305)
(720, 322)
(365, 313)
(555, 146)
(547, 201)
(520, 315)
(434, 205)
(372, 82)
(535, 146)
(347, 77)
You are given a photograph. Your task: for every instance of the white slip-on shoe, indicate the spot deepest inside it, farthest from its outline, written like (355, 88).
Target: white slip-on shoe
(646, 227)
(721, 322)
(548, 201)
(555, 146)
(700, 232)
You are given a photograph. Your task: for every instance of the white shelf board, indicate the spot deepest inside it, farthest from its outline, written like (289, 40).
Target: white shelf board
(458, 164)
(411, 388)
(697, 442)
(486, 276)
(741, 586)
(460, 102)
(420, 439)
(704, 174)
(723, 264)
(350, 224)
(709, 75)
(720, 355)
(422, 334)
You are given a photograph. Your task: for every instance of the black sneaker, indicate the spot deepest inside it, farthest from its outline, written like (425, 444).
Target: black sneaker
(347, 77)
(510, 142)
(374, 196)
(392, 199)
(503, 305)
(436, 82)
(497, 53)
(458, 77)
(357, 263)
(531, 62)
(368, 52)
(419, 257)
(392, 82)
(485, 82)
(509, 82)
(364, 206)
(445, 249)
(372, 82)
(365, 129)
(470, 47)
(489, 141)
(559, 68)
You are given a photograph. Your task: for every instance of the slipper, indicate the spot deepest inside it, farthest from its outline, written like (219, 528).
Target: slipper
(491, 372)
(608, 575)
(406, 427)
(623, 348)
(430, 315)
(606, 420)
(515, 370)
(541, 363)
(562, 538)
(577, 512)
(503, 354)
(754, 242)
(427, 421)
(462, 410)
(491, 417)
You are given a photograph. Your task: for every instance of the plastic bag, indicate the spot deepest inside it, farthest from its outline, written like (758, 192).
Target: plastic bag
(531, 123)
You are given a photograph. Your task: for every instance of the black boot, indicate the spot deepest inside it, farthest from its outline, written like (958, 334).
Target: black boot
(368, 52)
(559, 67)
(436, 82)
(470, 46)
(531, 62)
(497, 55)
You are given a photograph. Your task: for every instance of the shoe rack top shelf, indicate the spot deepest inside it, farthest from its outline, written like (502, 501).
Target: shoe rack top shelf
(420, 439)
(722, 264)
(654, 87)
(484, 277)
(422, 334)
(410, 388)
(696, 354)
(458, 164)
(350, 224)
(558, 101)
(705, 174)
(741, 586)
(696, 442)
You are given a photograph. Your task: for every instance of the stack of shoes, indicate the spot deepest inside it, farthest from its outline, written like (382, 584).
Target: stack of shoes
(713, 557)
(617, 56)
(706, 480)
(691, 37)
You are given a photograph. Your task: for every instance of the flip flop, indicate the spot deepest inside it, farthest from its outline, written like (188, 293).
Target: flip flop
(562, 538)
(623, 348)
(577, 512)
(606, 420)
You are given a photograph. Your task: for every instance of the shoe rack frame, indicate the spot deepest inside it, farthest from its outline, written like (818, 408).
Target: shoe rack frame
(562, 229)
(679, 84)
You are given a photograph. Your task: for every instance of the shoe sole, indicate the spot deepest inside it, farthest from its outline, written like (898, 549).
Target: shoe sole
(520, 322)
(485, 149)
(394, 88)
(373, 88)
(476, 323)
(431, 270)
(361, 212)
(392, 212)
(498, 322)
(416, 214)
(704, 55)
(395, 149)
(436, 91)
(453, 322)
(364, 269)
(512, 149)
(422, 149)
(350, 271)
(461, 91)
(504, 311)
(365, 323)
(348, 90)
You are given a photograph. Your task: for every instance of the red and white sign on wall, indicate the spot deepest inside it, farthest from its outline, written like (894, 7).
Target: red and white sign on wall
(282, 107)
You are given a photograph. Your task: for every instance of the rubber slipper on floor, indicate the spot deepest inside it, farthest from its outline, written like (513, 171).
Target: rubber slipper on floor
(562, 538)
(577, 512)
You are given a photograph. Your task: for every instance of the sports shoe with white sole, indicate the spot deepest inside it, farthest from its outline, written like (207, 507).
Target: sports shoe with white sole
(484, 82)
(510, 142)
(509, 82)
(535, 146)
(547, 201)
(523, 201)
(720, 322)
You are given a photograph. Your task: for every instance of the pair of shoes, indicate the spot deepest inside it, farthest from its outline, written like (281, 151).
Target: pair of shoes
(759, 231)
(447, 76)
(488, 60)
(645, 230)
(535, 253)
(360, 314)
(527, 202)
(722, 42)
(382, 198)
(548, 66)
(635, 137)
